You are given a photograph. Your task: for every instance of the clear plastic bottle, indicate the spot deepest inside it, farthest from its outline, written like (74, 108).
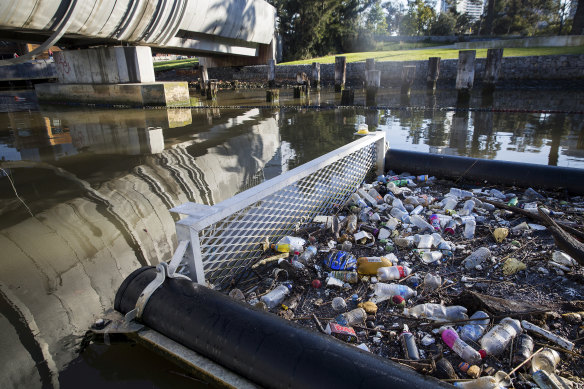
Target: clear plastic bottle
(432, 282)
(391, 273)
(351, 318)
(375, 194)
(460, 193)
(469, 229)
(400, 214)
(385, 291)
(276, 296)
(431, 256)
(479, 256)
(449, 202)
(486, 382)
(351, 223)
(308, 254)
(467, 208)
(437, 312)
(523, 349)
(397, 203)
(499, 337)
(472, 331)
(546, 360)
(425, 242)
(418, 210)
(339, 304)
(368, 199)
(460, 347)
(422, 224)
(289, 244)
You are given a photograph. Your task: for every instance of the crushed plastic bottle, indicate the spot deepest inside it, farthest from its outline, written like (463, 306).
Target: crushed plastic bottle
(546, 360)
(499, 337)
(523, 349)
(276, 296)
(383, 291)
(429, 257)
(432, 282)
(340, 260)
(308, 254)
(476, 258)
(422, 224)
(339, 304)
(351, 223)
(449, 202)
(289, 244)
(460, 347)
(391, 273)
(351, 318)
(425, 242)
(472, 331)
(437, 312)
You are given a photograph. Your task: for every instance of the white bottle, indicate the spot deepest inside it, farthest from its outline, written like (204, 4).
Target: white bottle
(467, 208)
(486, 382)
(389, 273)
(386, 291)
(437, 312)
(425, 242)
(449, 202)
(499, 337)
(479, 256)
(472, 331)
(422, 224)
(397, 203)
(276, 296)
(469, 229)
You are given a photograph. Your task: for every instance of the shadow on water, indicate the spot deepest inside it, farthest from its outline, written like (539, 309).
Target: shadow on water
(98, 183)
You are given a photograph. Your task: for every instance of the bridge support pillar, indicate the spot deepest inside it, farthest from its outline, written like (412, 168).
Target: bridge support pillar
(111, 75)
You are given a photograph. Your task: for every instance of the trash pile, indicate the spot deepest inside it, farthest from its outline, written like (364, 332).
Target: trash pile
(479, 286)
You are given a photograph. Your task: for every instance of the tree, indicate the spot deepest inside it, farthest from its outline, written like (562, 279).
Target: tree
(488, 26)
(578, 22)
(394, 13)
(375, 21)
(418, 19)
(444, 24)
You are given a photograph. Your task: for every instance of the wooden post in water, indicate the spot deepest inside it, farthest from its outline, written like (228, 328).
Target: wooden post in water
(465, 73)
(369, 65)
(347, 97)
(212, 90)
(272, 95)
(373, 84)
(203, 80)
(492, 69)
(408, 76)
(271, 73)
(316, 75)
(300, 91)
(340, 73)
(433, 73)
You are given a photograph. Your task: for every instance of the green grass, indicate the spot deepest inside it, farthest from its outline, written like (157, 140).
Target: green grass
(176, 64)
(424, 54)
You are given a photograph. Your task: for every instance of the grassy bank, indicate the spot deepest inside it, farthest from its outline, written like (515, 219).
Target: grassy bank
(424, 54)
(176, 64)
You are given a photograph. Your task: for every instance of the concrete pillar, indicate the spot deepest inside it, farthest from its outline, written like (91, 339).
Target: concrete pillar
(433, 73)
(272, 95)
(204, 79)
(95, 75)
(271, 73)
(372, 86)
(212, 90)
(340, 73)
(465, 73)
(316, 75)
(492, 69)
(369, 65)
(347, 97)
(408, 76)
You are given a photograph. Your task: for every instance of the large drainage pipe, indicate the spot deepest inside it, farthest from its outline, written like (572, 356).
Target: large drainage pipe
(497, 172)
(258, 345)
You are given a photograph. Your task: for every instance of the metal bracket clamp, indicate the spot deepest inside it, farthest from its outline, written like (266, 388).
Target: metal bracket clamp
(162, 272)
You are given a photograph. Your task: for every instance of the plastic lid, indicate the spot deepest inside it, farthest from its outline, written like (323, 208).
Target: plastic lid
(483, 353)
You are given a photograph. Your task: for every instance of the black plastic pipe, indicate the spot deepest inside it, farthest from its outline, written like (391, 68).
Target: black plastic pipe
(495, 172)
(258, 345)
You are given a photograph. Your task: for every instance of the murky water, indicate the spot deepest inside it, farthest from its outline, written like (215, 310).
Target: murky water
(85, 195)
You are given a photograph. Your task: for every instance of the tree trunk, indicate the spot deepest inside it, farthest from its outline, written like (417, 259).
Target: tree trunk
(490, 17)
(578, 23)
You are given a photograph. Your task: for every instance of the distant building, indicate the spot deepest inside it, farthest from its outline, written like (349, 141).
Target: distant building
(472, 8)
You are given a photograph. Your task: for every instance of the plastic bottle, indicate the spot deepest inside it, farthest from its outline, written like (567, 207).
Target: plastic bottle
(404, 242)
(375, 194)
(449, 202)
(432, 282)
(467, 207)
(499, 337)
(546, 360)
(369, 265)
(469, 229)
(400, 214)
(392, 273)
(351, 223)
(497, 193)
(408, 343)
(295, 262)
(339, 304)
(450, 227)
(431, 256)
(479, 256)
(289, 244)
(308, 254)
(486, 382)
(422, 224)
(349, 319)
(385, 291)
(425, 242)
(435, 222)
(368, 199)
(472, 331)
(437, 312)
(417, 210)
(347, 276)
(460, 347)
(397, 203)
(347, 245)
(523, 349)
(276, 296)
(460, 193)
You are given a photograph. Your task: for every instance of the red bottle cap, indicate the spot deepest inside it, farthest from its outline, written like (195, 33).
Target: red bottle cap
(316, 284)
(483, 354)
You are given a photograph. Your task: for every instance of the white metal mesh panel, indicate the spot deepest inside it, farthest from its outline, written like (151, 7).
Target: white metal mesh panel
(230, 234)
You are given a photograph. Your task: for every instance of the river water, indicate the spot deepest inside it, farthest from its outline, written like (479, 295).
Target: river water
(85, 194)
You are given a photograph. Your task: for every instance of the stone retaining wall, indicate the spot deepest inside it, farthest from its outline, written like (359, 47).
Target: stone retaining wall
(552, 67)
